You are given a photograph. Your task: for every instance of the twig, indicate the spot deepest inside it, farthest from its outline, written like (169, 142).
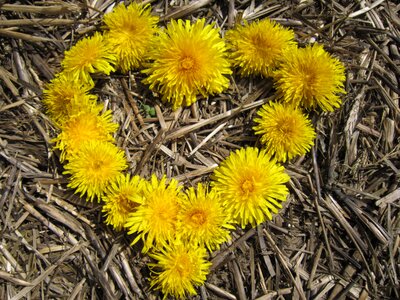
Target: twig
(318, 199)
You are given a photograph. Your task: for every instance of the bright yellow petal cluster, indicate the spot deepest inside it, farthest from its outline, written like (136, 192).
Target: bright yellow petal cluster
(130, 33)
(122, 197)
(285, 131)
(94, 168)
(65, 97)
(203, 220)
(179, 269)
(256, 48)
(154, 221)
(86, 126)
(188, 60)
(251, 184)
(310, 77)
(87, 56)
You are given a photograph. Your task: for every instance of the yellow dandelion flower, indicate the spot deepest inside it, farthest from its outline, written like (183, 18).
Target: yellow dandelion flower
(155, 219)
(188, 60)
(203, 219)
(257, 47)
(86, 126)
(89, 55)
(64, 97)
(285, 131)
(179, 269)
(311, 77)
(251, 184)
(94, 168)
(130, 32)
(122, 197)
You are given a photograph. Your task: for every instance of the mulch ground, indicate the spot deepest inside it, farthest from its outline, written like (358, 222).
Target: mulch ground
(338, 234)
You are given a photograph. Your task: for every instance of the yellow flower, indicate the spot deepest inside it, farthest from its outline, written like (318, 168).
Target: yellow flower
(64, 97)
(311, 77)
(86, 126)
(188, 60)
(89, 55)
(251, 185)
(203, 219)
(97, 165)
(180, 269)
(131, 30)
(257, 47)
(155, 219)
(122, 198)
(285, 131)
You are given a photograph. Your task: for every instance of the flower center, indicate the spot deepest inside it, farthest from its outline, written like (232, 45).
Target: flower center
(187, 63)
(310, 79)
(97, 165)
(125, 204)
(309, 83)
(260, 44)
(248, 186)
(286, 127)
(198, 217)
(163, 215)
(66, 96)
(130, 28)
(183, 266)
(89, 57)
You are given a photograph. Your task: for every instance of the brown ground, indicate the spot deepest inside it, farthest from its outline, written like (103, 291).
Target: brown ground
(336, 238)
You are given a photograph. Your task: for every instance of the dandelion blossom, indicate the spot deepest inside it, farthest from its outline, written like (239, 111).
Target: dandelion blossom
(311, 77)
(257, 47)
(122, 198)
(188, 60)
(130, 32)
(65, 97)
(180, 268)
(86, 126)
(285, 131)
(97, 165)
(251, 185)
(155, 219)
(203, 219)
(89, 55)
